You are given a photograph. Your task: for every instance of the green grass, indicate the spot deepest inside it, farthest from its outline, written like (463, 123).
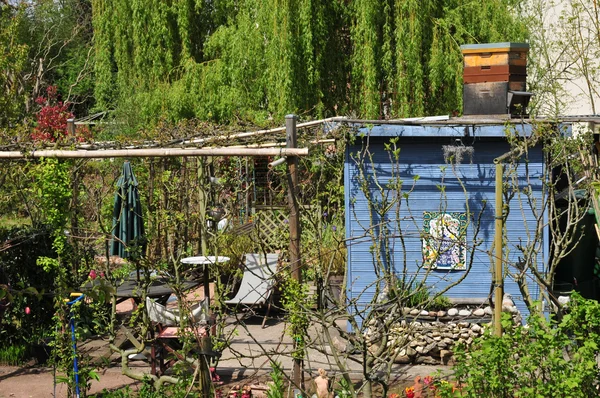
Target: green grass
(13, 355)
(13, 220)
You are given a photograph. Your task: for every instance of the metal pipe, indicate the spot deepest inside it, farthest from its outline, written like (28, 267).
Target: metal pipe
(277, 162)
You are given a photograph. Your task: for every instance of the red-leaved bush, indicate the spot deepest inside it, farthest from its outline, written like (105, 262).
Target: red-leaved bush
(52, 117)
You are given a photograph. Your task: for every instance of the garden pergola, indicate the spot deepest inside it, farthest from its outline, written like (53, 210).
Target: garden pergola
(195, 147)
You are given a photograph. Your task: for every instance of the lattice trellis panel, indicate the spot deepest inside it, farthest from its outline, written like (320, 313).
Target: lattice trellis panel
(271, 227)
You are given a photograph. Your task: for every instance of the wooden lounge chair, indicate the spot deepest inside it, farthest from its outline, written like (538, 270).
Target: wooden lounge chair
(257, 282)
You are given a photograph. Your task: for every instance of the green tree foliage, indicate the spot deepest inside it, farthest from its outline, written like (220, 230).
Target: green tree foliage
(44, 43)
(257, 59)
(13, 58)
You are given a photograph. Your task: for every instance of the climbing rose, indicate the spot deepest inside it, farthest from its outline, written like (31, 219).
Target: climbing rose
(27, 310)
(93, 274)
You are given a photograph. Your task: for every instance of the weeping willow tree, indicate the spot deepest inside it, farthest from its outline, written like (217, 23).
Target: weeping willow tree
(406, 59)
(260, 59)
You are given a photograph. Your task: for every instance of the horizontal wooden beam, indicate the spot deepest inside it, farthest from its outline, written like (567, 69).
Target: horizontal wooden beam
(154, 152)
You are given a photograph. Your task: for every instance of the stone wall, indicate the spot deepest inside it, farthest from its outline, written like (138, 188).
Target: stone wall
(429, 337)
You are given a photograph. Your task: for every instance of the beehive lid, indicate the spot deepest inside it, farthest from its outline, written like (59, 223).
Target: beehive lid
(494, 48)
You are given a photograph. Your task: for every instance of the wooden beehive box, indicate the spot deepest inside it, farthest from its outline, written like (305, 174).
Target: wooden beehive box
(494, 74)
(495, 54)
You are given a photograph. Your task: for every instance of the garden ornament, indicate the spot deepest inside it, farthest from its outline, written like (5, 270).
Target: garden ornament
(322, 385)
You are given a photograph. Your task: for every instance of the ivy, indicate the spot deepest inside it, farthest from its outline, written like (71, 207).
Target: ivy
(295, 301)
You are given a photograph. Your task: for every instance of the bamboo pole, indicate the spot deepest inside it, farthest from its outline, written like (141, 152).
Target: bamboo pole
(498, 279)
(154, 152)
(278, 144)
(263, 132)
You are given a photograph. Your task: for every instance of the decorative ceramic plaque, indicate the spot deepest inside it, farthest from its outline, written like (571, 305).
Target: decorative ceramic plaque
(444, 240)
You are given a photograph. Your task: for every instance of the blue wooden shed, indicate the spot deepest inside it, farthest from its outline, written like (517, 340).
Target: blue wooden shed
(401, 180)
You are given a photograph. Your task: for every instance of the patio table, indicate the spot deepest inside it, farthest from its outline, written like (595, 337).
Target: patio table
(131, 289)
(158, 289)
(204, 261)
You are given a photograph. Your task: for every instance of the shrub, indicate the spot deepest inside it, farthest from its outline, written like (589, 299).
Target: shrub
(413, 294)
(542, 359)
(27, 313)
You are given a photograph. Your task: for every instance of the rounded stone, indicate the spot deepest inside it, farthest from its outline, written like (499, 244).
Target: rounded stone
(403, 359)
(488, 310)
(414, 311)
(426, 360)
(479, 312)
(476, 328)
(507, 303)
(452, 312)
(464, 313)
(441, 313)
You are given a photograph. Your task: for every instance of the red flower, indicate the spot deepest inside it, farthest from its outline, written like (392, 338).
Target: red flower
(428, 381)
(410, 392)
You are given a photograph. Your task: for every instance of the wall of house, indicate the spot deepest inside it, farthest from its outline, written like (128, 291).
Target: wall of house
(467, 188)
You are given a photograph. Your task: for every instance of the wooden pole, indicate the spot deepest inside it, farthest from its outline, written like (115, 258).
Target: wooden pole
(154, 152)
(294, 222)
(205, 379)
(498, 279)
(294, 219)
(71, 127)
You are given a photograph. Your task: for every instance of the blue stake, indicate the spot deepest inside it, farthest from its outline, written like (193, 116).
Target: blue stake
(78, 296)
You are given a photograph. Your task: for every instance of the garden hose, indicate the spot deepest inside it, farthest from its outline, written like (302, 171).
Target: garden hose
(78, 297)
